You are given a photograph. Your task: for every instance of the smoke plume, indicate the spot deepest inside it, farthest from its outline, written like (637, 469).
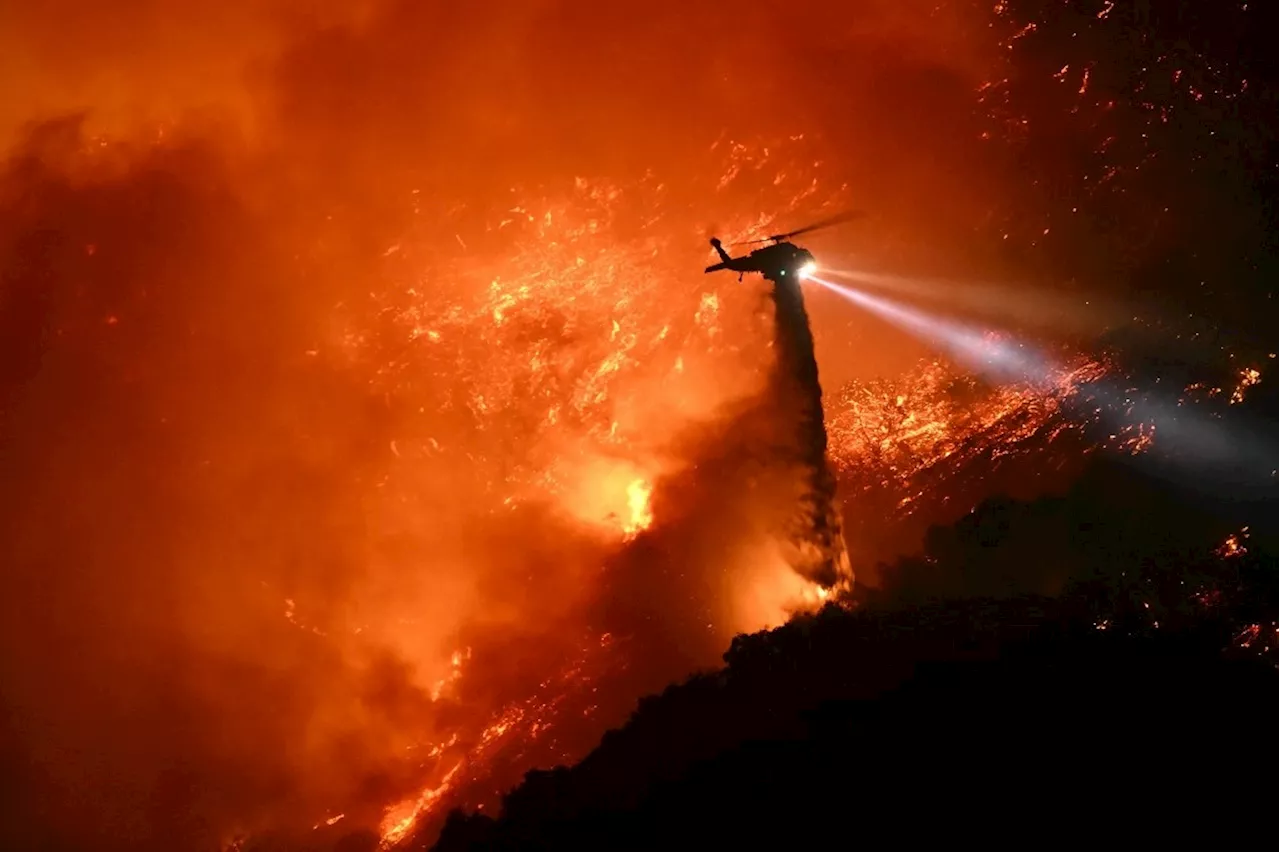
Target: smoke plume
(364, 410)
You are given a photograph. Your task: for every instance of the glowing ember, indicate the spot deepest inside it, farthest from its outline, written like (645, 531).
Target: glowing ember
(1248, 378)
(1245, 379)
(1252, 635)
(1234, 545)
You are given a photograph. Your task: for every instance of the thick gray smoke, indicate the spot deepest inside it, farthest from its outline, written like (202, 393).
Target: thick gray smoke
(816, 535)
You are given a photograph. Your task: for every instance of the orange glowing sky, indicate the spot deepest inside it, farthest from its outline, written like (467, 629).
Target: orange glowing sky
(365, 378)
(482, 98)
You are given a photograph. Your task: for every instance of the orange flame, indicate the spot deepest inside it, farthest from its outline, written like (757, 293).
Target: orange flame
(641, 514)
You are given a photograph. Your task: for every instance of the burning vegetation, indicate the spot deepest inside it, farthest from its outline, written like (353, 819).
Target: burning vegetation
(370, 436)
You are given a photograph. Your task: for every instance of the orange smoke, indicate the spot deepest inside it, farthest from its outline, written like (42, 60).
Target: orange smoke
(371, 433)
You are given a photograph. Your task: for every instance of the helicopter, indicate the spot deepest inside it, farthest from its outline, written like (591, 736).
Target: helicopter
(780, 260)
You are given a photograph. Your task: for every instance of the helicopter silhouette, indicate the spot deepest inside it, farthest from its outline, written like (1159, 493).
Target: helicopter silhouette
(780, 261)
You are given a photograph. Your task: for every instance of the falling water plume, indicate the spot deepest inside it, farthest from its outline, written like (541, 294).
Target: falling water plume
(820, 552)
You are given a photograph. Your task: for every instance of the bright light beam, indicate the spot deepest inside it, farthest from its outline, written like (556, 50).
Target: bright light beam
(1024, 305)
(1233, 458)
(980, 350)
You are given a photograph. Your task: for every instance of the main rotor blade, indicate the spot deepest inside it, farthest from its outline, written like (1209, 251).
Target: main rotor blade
(830, 221)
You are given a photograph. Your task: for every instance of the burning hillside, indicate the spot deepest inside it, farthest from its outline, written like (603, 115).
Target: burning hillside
(369, 433)
(941, 434)
(896, 430)
(923, 449)
(554, 447)
(443, 490)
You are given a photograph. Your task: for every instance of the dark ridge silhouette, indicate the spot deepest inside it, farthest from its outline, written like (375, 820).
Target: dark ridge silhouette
(998, 737)
(962, 702)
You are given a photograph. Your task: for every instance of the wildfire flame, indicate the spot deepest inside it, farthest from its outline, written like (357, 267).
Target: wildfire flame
(592, 345)
(641, 515)
(421, 348)
(516, 726)
(401, 818)
(885, 433)
(935, 417)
